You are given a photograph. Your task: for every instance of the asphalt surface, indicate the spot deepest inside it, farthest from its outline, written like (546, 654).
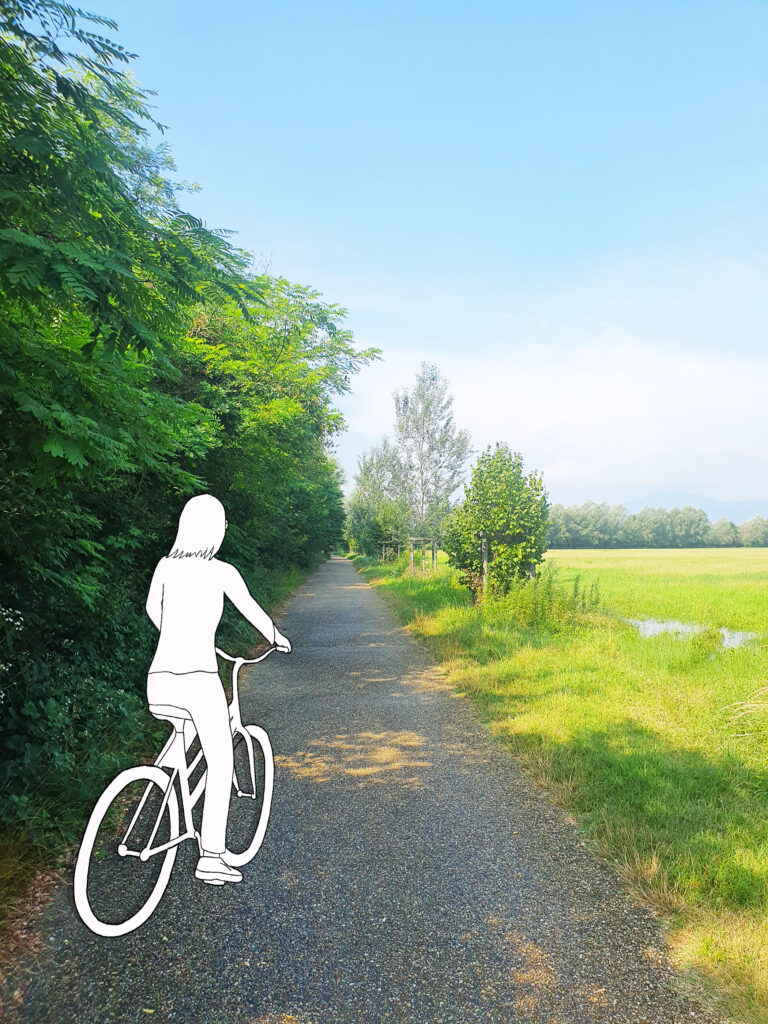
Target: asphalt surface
(411, 872)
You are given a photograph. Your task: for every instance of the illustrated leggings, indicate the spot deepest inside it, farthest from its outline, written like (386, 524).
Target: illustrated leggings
(202, 695)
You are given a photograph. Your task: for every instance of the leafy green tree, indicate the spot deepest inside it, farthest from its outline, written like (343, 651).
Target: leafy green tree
(432, 451)
(271, 380)
(688, 527)
(100, 453)
(723, 534)
(378, 509)
(405, 487)
(648, 528)
(754, 532)
(612, 521)
(511, 509)
(560, 532)
(89, 222)
(597, 525)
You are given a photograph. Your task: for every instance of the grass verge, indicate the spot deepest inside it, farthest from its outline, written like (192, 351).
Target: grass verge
(635, 737)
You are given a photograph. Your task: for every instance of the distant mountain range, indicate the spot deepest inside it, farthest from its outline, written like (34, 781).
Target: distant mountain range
(737, 511)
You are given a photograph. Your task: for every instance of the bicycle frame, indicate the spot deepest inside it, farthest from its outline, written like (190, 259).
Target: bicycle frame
(174, 757)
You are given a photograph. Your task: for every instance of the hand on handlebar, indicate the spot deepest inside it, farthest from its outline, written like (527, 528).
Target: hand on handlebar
(282, 643)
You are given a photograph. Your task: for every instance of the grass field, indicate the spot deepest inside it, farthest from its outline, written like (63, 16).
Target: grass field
(636, 737)
(713, 586)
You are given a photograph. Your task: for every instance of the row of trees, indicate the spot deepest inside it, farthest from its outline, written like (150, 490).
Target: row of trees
(141, 361)
(593, 525)
(406, 488)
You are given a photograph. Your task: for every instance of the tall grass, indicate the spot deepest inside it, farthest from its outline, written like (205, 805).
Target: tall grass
(652, 744)
(711, 586)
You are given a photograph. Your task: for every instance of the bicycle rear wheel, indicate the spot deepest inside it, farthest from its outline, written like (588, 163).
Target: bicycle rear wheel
(251, 798)
(116, 891)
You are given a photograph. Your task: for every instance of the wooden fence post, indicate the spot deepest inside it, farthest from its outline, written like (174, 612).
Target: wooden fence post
(434, 556)
(411, 544)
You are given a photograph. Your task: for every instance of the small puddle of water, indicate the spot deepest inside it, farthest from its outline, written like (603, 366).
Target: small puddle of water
(653, 627)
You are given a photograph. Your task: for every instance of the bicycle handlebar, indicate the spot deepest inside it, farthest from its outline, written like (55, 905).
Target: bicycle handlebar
(247, 661)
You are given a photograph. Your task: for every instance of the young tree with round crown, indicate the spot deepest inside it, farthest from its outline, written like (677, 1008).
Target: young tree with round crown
(510, 509)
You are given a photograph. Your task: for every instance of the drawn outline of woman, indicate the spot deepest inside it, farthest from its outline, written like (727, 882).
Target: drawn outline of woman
(185, 602)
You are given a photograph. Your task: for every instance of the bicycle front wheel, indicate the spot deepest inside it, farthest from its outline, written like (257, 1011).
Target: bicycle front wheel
(116, 889)
(251, 798)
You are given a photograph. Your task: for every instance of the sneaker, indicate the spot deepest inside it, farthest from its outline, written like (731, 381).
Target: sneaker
(211, 868)
(226, 856)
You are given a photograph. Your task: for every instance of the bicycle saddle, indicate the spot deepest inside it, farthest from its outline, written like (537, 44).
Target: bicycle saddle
(169, 712)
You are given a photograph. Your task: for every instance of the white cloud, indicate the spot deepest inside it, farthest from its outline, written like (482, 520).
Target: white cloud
(608, 419)
(645, 374)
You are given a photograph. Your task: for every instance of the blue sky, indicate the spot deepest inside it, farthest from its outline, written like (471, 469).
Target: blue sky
(562, 204)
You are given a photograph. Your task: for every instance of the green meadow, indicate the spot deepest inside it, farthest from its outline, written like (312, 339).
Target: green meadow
(713, 586)
(657, 747)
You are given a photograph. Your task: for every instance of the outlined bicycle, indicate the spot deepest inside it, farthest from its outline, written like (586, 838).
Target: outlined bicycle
(132, 837)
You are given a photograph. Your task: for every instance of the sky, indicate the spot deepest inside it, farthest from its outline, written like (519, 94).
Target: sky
(561, 203)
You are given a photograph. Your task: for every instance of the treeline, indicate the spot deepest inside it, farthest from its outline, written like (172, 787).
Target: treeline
(141, 361)
(593, 525)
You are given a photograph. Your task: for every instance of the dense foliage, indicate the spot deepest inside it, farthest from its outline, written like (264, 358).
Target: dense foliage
(593, 525)
(510, 508)
(88, 220)
(405, 487)
(139, 364)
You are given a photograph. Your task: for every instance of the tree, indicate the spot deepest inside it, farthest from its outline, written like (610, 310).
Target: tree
(586, 526)
(432, 451)
(688, 527)
(378, 509)
(723, 534)
(754, 532)
(558, 532)
(140, 362)
(594, 526)
(650, 526)
(270, 381)
(405, 487)
(511, 508)
(88, 220)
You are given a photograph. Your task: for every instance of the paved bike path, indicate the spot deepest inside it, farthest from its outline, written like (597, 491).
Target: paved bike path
(411, 874)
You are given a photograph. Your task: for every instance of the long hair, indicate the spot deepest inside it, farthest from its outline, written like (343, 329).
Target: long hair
(202, 525)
